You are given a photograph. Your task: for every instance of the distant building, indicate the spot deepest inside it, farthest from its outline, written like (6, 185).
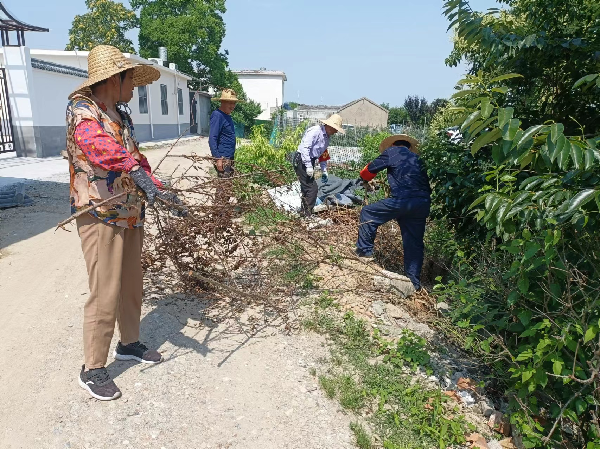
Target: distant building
(265, 87)
(364, 112)
(311, 113)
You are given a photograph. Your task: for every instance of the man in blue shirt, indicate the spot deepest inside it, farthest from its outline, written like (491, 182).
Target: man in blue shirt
(221, 139)
(313, 148)
(409, 203)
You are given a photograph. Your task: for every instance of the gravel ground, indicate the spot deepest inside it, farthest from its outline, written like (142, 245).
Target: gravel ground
(216, 389)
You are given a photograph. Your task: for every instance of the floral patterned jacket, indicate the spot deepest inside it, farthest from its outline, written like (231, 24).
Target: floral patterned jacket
(101, 154)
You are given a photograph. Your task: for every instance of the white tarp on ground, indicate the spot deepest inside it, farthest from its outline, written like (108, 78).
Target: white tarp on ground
(287, 197)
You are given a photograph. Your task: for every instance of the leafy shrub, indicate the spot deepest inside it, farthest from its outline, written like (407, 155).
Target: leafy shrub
(527, 286)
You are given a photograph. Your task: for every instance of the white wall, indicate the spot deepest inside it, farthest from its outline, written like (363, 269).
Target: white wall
(264, 89)
(168, 77)
(51, 92)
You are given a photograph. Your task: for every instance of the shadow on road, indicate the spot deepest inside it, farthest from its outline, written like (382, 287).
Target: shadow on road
(50, 206)
(194, 324)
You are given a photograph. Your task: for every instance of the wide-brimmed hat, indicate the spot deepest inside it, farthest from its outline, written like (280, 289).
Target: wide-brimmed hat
(105, 61)
(335, 121)
(228, 95)
(389, 141)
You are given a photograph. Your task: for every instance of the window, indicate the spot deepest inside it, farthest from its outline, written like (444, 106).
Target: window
(180, 101)
(164, 103)
(143, 97)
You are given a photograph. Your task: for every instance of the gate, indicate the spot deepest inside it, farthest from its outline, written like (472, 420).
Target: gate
(193, 114)
(7, 142)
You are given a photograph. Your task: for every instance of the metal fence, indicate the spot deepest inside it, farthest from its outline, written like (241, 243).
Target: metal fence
(343, 147)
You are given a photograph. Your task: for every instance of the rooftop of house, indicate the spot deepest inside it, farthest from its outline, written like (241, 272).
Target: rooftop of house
(40, 54)
(347, 105)
(316, 107)
(261, 72)
(58, 68)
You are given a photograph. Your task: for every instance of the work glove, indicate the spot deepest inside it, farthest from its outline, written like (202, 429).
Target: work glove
(310, 172)
(366, 185)
(324, 177)
(145, 183)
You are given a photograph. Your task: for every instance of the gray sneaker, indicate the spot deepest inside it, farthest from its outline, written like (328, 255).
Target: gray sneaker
(98, 384)
(137, 351)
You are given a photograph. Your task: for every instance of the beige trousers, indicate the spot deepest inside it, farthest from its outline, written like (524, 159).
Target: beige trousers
(113, 256)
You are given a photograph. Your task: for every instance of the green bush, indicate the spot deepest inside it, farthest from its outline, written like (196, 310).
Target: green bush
(526, 290)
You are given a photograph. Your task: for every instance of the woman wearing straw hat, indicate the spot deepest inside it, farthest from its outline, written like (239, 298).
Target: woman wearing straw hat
(313, 148)
(105, 163)
(409, 204)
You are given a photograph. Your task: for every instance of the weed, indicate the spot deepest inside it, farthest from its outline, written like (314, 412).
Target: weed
(329, 386)
(265, 217)
(363, 440)
(410, 349)
(326, 300)
(352, 397)
(408, 414)
(312, 371)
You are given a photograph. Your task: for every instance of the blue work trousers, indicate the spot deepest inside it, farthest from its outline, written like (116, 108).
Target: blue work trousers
(411, 214)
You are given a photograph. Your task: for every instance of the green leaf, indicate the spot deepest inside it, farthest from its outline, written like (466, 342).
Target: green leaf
(464, 93)
(590, 334)
(501, 90)
(525, 355)
(561, 141)
(576, 155)
(505, 77)
(580, 406)
(470, 120)
(486, 108)
(563, 157)
(585, 80)
(529, 134)
(525, 317)
(478, 201)
(523, 283)
(511, 129)
(504, 116)
(526, 375)
(485, 139)
(532, 250)
(581, 199)
(556, 130)
(589, 158)
(557, 367)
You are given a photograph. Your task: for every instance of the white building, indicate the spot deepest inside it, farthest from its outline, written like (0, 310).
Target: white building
(39, 82)
(265, 87)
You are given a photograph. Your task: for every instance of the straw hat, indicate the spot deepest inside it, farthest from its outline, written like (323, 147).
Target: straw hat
(228, 95)
(335, 121)
(389, 141)
(105, 61)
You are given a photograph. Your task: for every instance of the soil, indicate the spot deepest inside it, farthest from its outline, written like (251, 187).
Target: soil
(219, 387)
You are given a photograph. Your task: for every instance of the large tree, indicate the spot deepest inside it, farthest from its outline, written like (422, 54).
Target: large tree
(106, 22)
(552, 43)
(192, 32)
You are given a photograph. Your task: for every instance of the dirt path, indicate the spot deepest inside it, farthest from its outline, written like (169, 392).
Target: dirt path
(216, 389)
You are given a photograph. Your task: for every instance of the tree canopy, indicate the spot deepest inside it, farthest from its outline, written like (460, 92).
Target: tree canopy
(106, 22)
(191, 30)
(552, 43)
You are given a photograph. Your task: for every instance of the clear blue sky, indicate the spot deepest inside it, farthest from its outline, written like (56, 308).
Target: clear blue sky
(332, 52)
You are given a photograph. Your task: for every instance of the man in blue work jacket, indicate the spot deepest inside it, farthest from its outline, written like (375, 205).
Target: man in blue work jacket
(221, 140)
(221, 137)
(409, 204)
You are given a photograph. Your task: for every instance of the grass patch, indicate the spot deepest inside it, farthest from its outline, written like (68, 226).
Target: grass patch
(265, 217)
(400, 411)
(363, 440)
